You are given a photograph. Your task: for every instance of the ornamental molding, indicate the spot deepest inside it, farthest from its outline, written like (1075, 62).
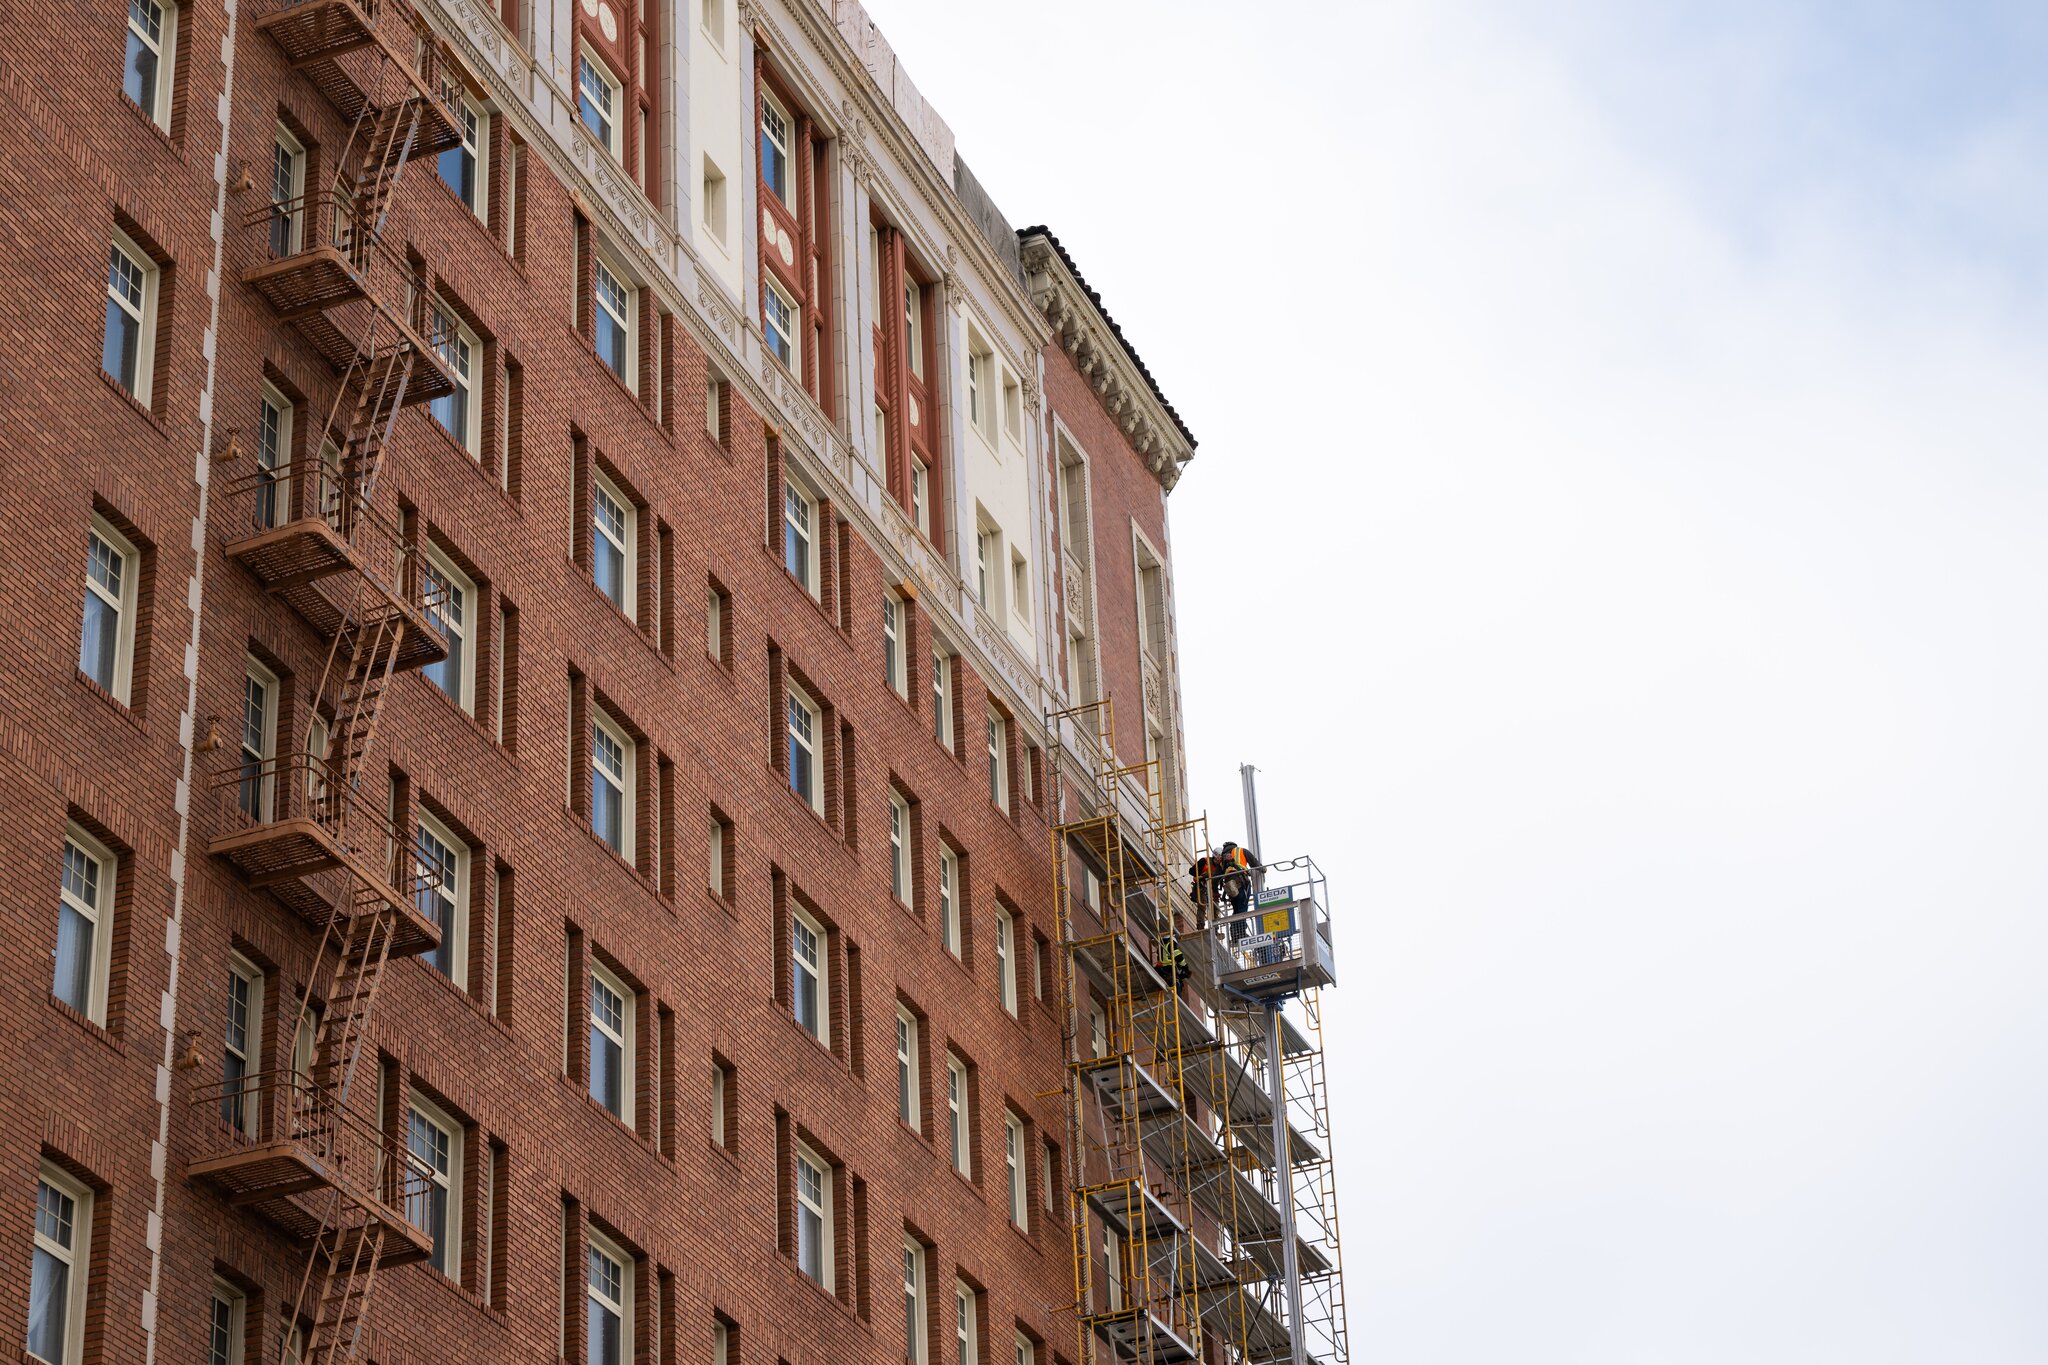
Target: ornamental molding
(1122, 389)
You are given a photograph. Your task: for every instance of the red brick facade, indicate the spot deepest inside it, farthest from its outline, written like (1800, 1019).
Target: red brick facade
(708, 1224)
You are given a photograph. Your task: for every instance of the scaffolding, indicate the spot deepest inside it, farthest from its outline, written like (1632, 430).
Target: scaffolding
(304, 1146)
(1201, 1188)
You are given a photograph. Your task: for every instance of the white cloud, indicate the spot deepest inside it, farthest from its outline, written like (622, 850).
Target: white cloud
(1633, 596)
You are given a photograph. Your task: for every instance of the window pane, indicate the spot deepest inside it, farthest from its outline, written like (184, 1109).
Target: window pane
(48, 1294)
(73, 984)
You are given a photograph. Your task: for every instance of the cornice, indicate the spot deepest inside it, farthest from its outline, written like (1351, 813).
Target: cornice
(1098, 351)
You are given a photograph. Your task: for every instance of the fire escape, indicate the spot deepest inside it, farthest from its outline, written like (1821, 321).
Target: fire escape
(1203, 1198)
(304, 1145)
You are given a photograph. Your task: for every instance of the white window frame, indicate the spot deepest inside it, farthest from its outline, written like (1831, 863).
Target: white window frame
(942, 697)
(1098, 1031)
(913, 324)
(784, 330)
(597, 1244)
(966, 1323)
(1013, 405)
(76, 1258)
(999, 761)
(625, 314)
(453, 903)
(784, 144)
(810, 738)
(720, 1080)
(800, 520)
(275, 414)
(987, 543)
(473, 122)
(896, 643)
(960, 1115)
(123, 554)
(228, 1351)
(624, 540)
(949, 902)
(460, 349)
(715, 872)
(1020, 587)
(457, 628)
(916, 1329)
(602, 723)
(597, 87)
(248, 1050)
(265, 738)
(899, 851)
(450, 1180)
(713, 210)
(920, 496)
(819, 1206)
(1006, 960)
(981, 363)
(290, 207)
(165, 46)
(98, 911)
(810, 953)
(714, 625)
(144, 312)
(1013, 1160)
(1026, 1350)
(623, 1034)
(909, 1080)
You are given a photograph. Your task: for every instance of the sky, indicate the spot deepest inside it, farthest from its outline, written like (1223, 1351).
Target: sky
(1617, 537)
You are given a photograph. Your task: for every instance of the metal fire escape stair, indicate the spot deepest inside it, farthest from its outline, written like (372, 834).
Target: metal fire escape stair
(317, 1162)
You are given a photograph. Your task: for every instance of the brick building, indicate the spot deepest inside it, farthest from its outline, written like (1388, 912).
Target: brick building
(528, 687)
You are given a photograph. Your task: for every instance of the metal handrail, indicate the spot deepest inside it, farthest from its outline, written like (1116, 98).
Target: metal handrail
(296, 785)
(340, 1138)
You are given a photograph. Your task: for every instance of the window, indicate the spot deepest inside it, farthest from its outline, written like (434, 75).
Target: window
(433, 1199)
(980, 401)
(152, 30)
(779, 322)
(274, 414)
(714, 29)
(443, 896)
(920, 500)
(1025, 1353)
(597, 101)
(242, 1047)
(913, 1302)
(287, 184)
(716, 871)
(1006, 959)
(721, 1343)
(615, 547)
(810, 977)
(714, 624)
(899, 849)
(458, 410)
(227, 1312)
(85, 911)
(913, 325)
(255, 791)
(985, 544)
(1020, 587)
(1013, 408)
(130, 348)
(715, 397)
(451, 606)
(799, 544)
(609, 1339)
(612, 1009)
(1113, 1267)
(949, 902)
(895, 663)
(966, 1331)
(814, 1216)
(776, 172)
(617, 304)
(1098, 1032)
(56, 1295)
(998, 761)
(722, 1096)
(942, 697)
(1013, 1162)
(803, 751)
(909, 1085)
(462, 166)
(959, 1115)
(611, 784)
(714, 201)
